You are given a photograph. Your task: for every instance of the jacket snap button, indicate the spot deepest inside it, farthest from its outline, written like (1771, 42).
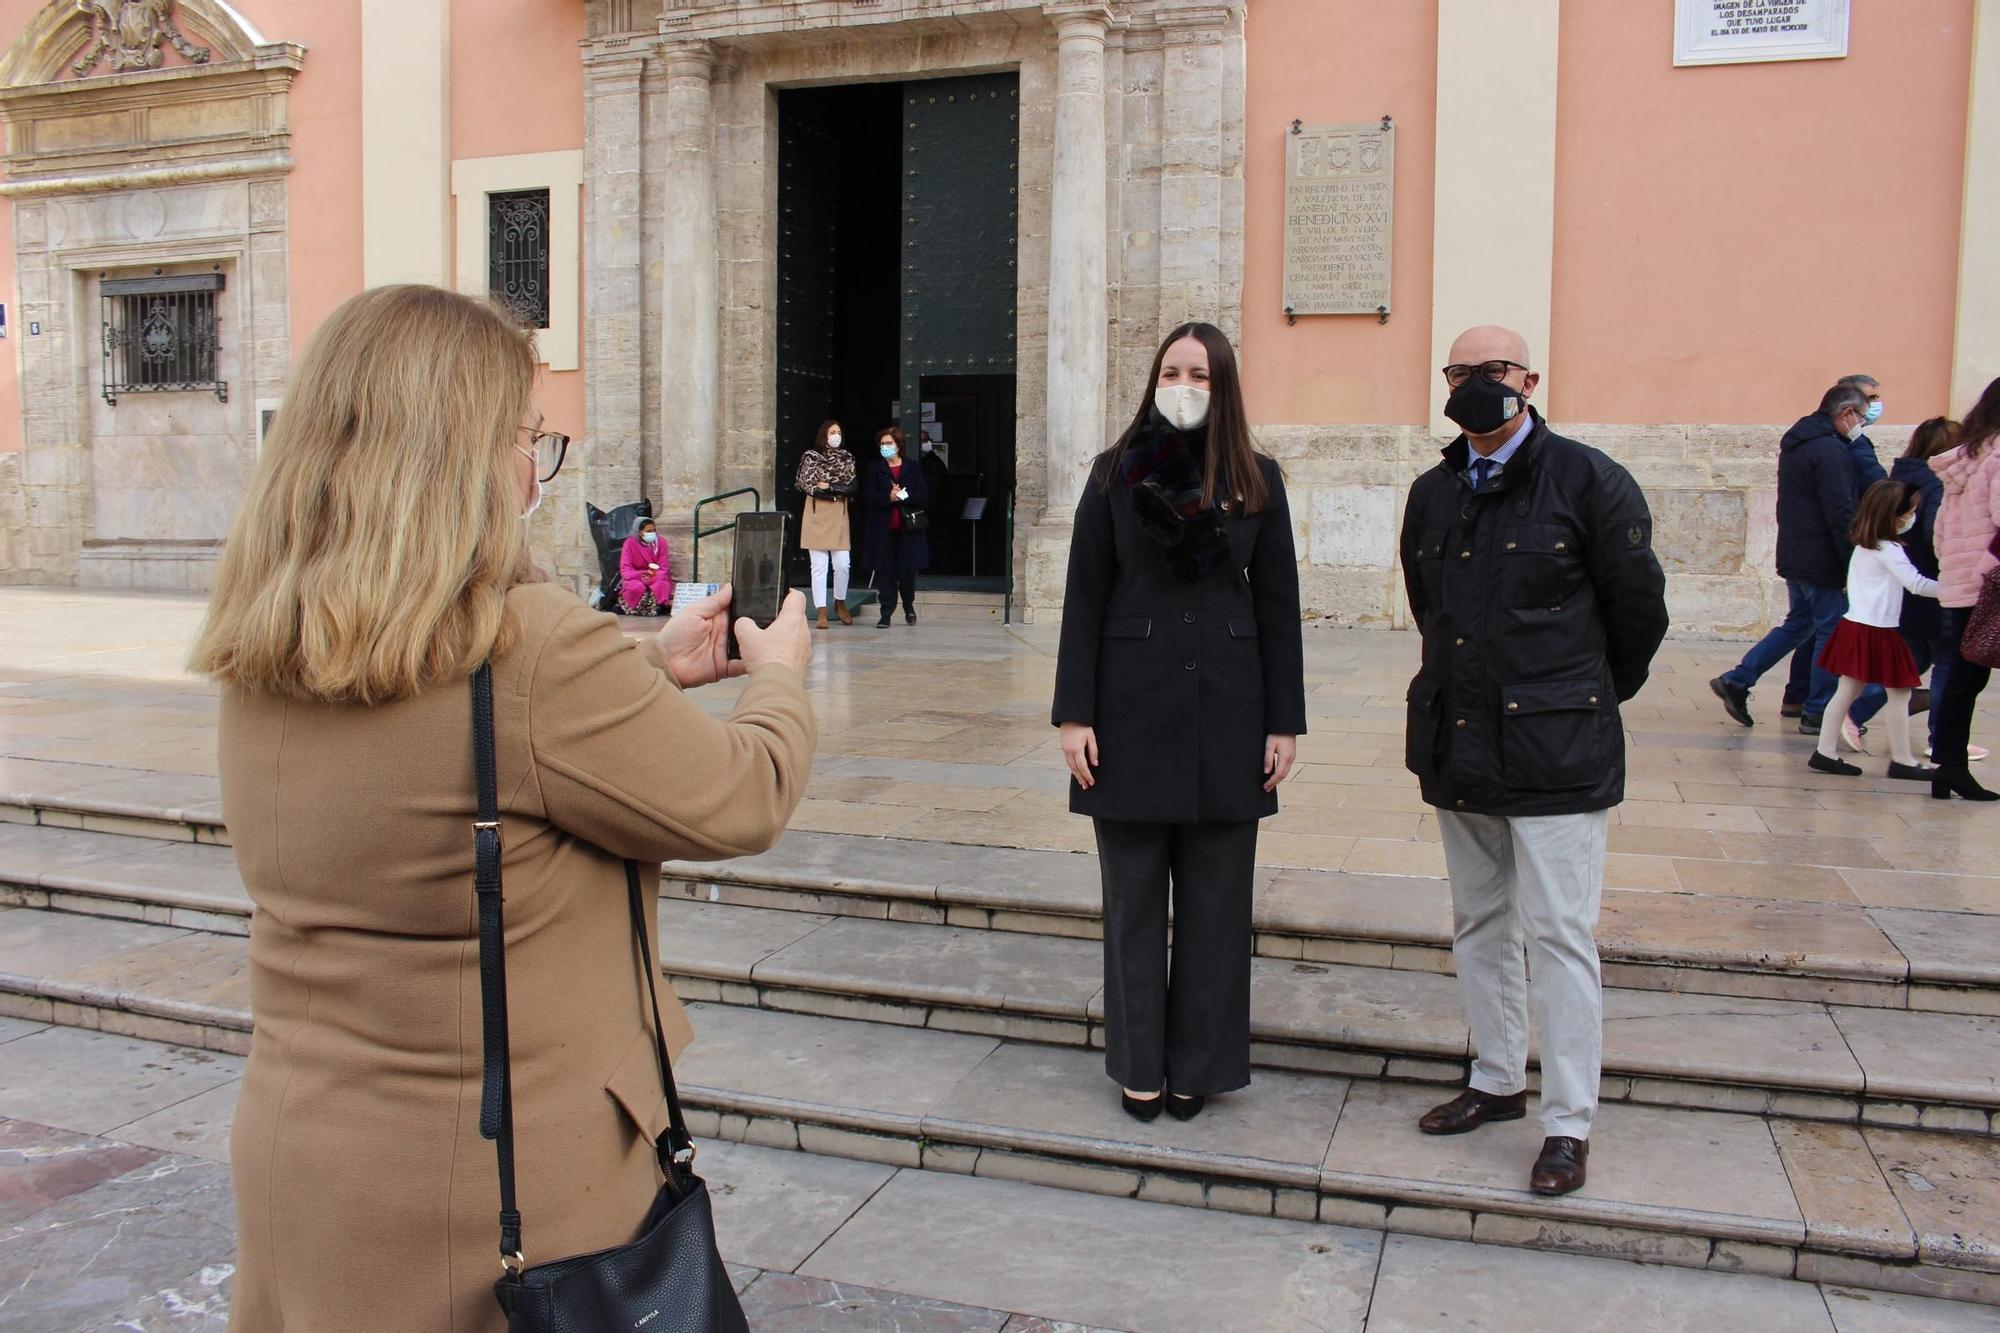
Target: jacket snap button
(1510, 546)
(1513, 707)
(1189, 617)
(1562, 546)
(1593, 699)
(1458, 643)
(1465, 555)
(1459, 804)
(1461, 722)
(1190, 666)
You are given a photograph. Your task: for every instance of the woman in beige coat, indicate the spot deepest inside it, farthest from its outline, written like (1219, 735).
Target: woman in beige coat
(380, 557)
(826, 479)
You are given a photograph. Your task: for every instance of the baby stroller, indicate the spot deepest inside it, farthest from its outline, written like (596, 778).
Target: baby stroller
(609, 529)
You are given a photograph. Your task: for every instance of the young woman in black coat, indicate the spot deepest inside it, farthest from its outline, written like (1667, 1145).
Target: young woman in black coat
(1180, 692)
(895, 551)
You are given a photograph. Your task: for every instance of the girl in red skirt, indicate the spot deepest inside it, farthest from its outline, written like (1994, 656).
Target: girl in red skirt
(1865, 648)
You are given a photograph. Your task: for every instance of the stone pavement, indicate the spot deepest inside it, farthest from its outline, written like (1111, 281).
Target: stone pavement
(115, 1214)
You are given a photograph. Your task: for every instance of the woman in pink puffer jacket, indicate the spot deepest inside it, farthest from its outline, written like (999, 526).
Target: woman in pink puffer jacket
(1967, 523)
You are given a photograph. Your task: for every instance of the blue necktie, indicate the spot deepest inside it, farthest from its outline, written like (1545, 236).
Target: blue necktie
(1482, 468)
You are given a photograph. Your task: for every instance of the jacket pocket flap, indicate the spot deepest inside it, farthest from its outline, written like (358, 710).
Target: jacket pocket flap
(1242, 628)
(635, 1086)
(1423, 693)
(1431, 544)
(1552, 696)
(1128, 627)
(1538, 539)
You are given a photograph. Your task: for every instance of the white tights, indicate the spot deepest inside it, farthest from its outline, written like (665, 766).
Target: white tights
(1897, 711)
(842, 561)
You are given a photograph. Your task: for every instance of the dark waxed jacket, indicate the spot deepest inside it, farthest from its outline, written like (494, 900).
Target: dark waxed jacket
(1541, 605)
(1817, 491)
(1922, 618)
(1182, 680)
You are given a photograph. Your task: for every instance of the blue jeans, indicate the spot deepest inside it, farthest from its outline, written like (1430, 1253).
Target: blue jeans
(1813, 613)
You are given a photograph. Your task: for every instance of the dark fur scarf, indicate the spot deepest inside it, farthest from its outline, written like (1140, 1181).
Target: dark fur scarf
(1162, 468)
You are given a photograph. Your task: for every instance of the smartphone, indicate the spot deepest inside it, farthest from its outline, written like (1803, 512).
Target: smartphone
(758, 581)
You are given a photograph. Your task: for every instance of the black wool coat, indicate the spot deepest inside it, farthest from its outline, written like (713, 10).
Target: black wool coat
(1819, 483)
(1182, 680)
(876, 546)
(1541, 604)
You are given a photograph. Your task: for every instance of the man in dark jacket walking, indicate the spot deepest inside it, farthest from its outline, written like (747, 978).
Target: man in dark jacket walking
(1867, 471)
(1816, 499)
(1528, 559)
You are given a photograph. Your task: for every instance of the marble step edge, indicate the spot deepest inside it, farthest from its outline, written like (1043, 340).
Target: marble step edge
(136, 819)
(1251, 1185)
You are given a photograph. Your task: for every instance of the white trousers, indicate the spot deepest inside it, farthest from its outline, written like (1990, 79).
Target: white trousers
(1533, 882)
(842, 562)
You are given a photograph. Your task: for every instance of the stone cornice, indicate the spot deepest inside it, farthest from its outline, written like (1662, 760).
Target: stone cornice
(147, 178)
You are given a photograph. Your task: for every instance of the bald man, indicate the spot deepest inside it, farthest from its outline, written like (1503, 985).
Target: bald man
(1529, 563)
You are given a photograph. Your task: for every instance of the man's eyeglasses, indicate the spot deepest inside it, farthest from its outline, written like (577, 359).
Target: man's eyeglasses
(1492, 370)
(550, 447)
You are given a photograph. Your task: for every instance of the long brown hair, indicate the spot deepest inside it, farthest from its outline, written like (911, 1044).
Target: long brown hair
(1982, 423)
(1231, 453)
(1881, 506)
(382, 528)
(1932, 438)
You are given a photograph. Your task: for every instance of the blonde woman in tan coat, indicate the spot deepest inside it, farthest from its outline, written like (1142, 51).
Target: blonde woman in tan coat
(380, 557)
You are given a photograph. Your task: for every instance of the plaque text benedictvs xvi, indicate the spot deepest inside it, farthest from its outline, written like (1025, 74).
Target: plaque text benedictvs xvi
(1339, 206)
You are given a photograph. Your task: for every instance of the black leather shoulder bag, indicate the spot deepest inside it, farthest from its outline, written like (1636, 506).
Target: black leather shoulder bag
(669, 1280)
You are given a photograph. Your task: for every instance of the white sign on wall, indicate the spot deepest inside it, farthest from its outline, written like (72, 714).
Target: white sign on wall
(1725, 32)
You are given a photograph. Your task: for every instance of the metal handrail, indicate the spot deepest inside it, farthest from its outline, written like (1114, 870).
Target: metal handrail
(1007, 607)
(756, 502)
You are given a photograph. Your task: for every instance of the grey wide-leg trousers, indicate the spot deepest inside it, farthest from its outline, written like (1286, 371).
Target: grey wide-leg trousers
(1181, 1023)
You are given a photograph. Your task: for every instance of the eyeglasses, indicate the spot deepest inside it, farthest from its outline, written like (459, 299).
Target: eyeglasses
(550, 449)
(1492, 370)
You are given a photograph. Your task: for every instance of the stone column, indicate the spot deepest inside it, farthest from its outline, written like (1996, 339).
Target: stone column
(690, 352)
(1192, 170)
(1078, 309)
(614, 275)
(1976, 352)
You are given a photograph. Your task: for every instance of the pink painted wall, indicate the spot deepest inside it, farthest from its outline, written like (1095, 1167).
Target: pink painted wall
(1732, 239)
(517, 87)
(1325, 61)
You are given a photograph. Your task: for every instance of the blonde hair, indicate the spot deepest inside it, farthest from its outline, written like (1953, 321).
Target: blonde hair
(383, 525)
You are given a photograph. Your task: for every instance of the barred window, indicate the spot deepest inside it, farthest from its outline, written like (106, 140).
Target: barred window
(517, 254)
(160, 335)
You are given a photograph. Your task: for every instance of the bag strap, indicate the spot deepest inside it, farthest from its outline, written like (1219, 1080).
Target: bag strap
(675, 1146)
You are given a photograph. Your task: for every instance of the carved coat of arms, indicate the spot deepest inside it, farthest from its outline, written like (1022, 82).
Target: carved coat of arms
(131, 33)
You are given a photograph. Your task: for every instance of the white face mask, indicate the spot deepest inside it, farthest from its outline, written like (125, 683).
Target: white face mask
(1183, 405)
(650, 538)
(535, 503)
(1854, 432)
(1909, 521)
(833, 440)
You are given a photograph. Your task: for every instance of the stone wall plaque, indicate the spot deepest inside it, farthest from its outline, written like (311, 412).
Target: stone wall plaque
(1725, 32)
(1339, 204)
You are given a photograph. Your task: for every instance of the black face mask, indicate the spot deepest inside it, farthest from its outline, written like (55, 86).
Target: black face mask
(1481, 406)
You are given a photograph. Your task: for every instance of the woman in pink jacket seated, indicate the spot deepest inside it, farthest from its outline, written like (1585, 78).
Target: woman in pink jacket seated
(1966, 526)
(645, 567)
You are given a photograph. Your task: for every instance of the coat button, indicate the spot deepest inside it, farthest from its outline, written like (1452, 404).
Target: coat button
(1465, 555)
(1458, 643)
(1189, 617)
(1513, 707)
(1189, 667)
(1510, 545)
(1461, 722)
(1562, 546)
(1459, 804)
(1593, 699)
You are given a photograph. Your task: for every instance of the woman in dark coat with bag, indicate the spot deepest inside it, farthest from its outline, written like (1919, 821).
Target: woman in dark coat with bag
(1922, 623)
(898, 547)
(1180, 692)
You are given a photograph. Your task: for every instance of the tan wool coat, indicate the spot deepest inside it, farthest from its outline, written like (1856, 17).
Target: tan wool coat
(365, 1198)
(823, 524)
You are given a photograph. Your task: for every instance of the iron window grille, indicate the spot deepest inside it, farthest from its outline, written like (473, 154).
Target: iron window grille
(160, 335)
(517, 254)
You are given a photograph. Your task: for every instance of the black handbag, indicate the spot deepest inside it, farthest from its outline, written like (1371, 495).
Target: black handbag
(669, 1280)
(915, 518)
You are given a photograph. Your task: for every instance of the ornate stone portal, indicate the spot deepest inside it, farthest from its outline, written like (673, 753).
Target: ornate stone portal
(149, 212)
(1130, 180)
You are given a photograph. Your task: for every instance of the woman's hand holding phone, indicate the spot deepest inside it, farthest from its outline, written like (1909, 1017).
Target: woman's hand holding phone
(695, 642)
(787, 641)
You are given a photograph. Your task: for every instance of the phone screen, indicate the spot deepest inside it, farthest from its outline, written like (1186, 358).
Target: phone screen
(758, 581)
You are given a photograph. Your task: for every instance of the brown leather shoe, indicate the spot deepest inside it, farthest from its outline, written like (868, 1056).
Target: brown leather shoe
(1560, 1167)
(840, 609)
(821, 622)
(1471, 1109)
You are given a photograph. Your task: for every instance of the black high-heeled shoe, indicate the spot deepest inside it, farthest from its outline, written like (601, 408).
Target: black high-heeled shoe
(1184, 1108)
(1144, 1111)
(1949, 782)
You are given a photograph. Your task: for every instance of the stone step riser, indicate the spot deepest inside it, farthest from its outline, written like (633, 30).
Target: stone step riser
(721, 1114)
(1395, 956)
(1348, 1061)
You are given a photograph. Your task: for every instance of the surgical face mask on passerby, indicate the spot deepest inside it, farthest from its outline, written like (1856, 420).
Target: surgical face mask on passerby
(1183, 405)
(1854, 432)
(1874, 412)
(1905, 523)
(833, 440)
(536, 503)
(650, 538)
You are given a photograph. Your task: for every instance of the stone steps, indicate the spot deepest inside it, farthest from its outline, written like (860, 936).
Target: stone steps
(1689, 943)
(1895, 1209)
(1801, 1059)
